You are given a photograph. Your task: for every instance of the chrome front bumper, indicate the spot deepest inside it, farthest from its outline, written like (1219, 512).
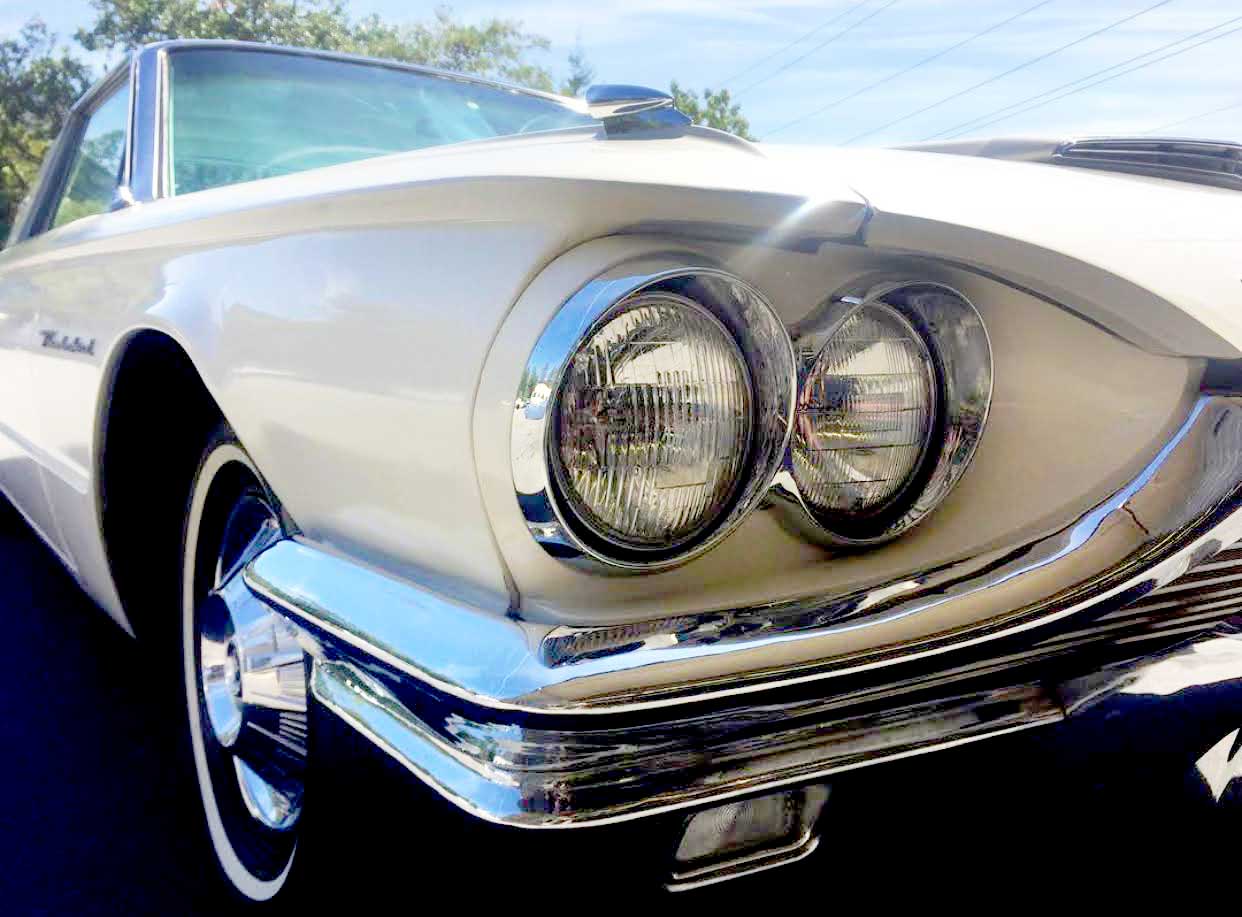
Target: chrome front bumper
(540, 726)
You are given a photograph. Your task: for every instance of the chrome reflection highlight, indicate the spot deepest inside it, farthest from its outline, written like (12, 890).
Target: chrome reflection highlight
(653, 423)
(736, 393)
(895, 383)
(253, 675)
(866, 411)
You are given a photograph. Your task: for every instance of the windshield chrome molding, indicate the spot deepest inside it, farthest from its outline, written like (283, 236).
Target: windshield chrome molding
(152, 87)
(177, 45)
(1050, 578)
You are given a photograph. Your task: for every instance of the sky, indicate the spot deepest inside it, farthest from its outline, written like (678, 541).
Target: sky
(881, 72)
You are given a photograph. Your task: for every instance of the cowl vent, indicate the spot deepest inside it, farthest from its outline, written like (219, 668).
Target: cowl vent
(1200, 161)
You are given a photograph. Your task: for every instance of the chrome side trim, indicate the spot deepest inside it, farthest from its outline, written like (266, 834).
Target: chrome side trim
(1178, 510)
(1203, 162)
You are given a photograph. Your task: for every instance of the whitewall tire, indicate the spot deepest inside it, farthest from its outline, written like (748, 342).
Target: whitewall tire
(248, 740)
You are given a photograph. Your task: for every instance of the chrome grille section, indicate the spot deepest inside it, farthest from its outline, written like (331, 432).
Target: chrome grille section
(1200, 161)
(1195, 601)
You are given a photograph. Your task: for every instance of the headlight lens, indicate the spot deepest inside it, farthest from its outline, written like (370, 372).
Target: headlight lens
(653, 423)
(865, 414)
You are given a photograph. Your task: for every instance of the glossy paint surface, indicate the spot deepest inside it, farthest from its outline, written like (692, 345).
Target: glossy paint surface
(362, 326)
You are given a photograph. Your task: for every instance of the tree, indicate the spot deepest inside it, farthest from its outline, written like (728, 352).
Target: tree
(496, 48)
(39, 82)
(714, 109)
(581, 73)
(128, 24)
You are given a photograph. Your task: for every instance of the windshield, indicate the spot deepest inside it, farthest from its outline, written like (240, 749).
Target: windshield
(241, 115)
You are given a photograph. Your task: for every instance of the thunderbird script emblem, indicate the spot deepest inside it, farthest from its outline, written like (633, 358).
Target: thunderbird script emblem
(57, 341)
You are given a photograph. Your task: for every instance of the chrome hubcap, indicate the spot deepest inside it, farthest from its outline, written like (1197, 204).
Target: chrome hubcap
(253, 677)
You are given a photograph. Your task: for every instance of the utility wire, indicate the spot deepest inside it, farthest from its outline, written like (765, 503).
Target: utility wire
(900, 73)
(1022, 66)
(797, 41)
(1202, 114)
(1145, 64)
(823, 44)
(971, 124)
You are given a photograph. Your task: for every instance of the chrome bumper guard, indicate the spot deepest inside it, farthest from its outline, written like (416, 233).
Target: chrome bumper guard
(540, 726)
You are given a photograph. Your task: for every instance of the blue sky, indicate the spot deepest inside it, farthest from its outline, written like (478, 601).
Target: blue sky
(785, 60)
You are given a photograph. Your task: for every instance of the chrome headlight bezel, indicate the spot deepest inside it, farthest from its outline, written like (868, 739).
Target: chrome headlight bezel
(765, 345)
(961, 352)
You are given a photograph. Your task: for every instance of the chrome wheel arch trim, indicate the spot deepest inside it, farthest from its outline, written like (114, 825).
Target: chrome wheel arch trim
(510, 665)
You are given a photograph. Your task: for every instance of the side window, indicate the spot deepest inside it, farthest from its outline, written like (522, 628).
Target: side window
(96, 166)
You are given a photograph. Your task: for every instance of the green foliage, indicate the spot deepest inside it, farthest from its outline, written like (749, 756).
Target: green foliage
(581, 73)
(496, 48)
(39, 83)
(713, 109)
(128, 24)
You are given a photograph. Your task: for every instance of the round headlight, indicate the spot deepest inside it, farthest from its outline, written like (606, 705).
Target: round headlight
(894, 389)
(653, 423)
(865, 414)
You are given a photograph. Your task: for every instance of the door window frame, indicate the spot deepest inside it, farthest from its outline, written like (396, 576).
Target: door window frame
(54, 179)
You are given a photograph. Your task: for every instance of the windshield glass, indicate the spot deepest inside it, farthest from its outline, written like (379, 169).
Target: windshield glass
(241, 115)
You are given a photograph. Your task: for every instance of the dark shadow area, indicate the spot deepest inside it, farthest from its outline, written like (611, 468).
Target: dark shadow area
(98, 816)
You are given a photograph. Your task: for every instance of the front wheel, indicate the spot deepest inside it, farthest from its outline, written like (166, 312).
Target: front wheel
(245, 678)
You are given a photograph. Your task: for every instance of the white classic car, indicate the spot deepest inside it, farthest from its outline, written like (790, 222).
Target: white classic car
(596, 467)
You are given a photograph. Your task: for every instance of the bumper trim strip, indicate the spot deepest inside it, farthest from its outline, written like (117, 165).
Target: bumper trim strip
(532, 778)
(539, 792)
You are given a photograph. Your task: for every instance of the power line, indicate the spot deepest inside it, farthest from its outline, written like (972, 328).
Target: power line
(797, 41)
(1114, 76)
(892, 76)
(1202, 114)
(974, 123)
(823, 44)
(1014, 69)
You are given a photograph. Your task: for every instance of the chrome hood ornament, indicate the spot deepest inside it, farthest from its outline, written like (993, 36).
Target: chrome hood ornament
(631, 109)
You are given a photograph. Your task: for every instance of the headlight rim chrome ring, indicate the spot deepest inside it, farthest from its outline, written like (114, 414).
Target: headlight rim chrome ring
(768, 359)
(962, 404)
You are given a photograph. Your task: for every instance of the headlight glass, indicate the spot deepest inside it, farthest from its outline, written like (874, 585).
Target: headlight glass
(865, 414)
(653, 423)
